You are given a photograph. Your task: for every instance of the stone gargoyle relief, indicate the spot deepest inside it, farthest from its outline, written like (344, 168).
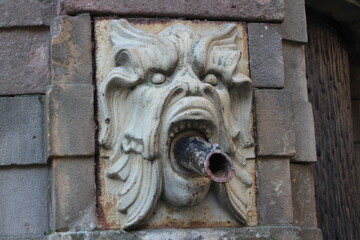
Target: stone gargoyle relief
(174, 113)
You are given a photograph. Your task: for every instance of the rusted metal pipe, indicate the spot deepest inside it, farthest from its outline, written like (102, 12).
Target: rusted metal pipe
(196, 154)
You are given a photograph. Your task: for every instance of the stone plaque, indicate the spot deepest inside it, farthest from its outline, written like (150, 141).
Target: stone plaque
(175, 124)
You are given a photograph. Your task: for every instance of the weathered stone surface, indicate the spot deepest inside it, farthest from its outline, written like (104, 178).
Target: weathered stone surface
(26, 12)
(265, 51)
(295, 70)
(274, 196)
(305, 142)
(274, 119)
(73, 192)
(303, 195)
(21, 130)
(294, 25)
(262, 233)
(71, 50)
(264, 10)
(311, 234)
(70, 120)
(24, 197)
(24, 62)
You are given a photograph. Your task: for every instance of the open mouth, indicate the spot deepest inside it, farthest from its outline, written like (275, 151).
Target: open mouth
(202, 128)
(186, 128)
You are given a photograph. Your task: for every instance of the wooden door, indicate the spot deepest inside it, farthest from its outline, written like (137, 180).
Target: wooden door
(338, 202)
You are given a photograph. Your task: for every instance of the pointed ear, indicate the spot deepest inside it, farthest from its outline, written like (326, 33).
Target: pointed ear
(113, 105)
(241, 98)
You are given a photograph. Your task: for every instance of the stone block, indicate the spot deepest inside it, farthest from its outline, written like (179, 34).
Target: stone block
(24, 61)
(295, 70)
(355, 108)
(357, 163)
(303, 195)
(355, 71)
(26, 238)
(305, 142)
(71, 50)
(274, 119)
(73, 191)
(249, 233)
(24, 198)
(311, 234)
(294, 25)
(274, 191)
(70, 119)
(21, 130)
(26, 12)
(265, 51)
(264, 10)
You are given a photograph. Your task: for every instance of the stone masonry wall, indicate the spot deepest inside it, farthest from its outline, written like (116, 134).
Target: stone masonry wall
(25, 74)
(47, 164)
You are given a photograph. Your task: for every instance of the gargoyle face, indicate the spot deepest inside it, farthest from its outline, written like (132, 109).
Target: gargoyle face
(163, 86)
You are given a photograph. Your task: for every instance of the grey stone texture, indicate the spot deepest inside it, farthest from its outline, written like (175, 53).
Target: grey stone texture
(24, 64)
(311, 234)
(21, 130)
(294, 25)
(70, 119)
(73, 191)
(259, 10)
(71, 50)
(303, 195)
(274, 191)
(256, 233)
(305, 142)
(265, 51)
(24, 198)
(26, 12)
(274, 123)
(295, 70)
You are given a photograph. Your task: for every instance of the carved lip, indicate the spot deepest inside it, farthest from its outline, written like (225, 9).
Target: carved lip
(193, 113)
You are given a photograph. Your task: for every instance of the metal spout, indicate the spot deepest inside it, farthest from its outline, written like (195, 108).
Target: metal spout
(196, 154)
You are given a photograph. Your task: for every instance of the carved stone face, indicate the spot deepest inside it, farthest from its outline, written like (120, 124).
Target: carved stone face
(162, 86)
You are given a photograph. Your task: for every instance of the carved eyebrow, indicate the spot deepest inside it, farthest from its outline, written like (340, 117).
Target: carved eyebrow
(218, 52)
(140, 50)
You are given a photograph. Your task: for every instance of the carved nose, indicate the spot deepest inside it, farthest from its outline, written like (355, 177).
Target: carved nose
(195, 86)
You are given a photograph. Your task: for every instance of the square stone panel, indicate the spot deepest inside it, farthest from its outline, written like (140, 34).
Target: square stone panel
(148, 57)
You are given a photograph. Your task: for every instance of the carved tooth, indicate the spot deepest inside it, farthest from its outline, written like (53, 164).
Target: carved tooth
(176, 129)
(188, 124)
(172, 134)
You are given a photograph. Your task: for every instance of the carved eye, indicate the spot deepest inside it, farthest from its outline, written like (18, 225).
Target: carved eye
(158, 78)
(211, 79)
